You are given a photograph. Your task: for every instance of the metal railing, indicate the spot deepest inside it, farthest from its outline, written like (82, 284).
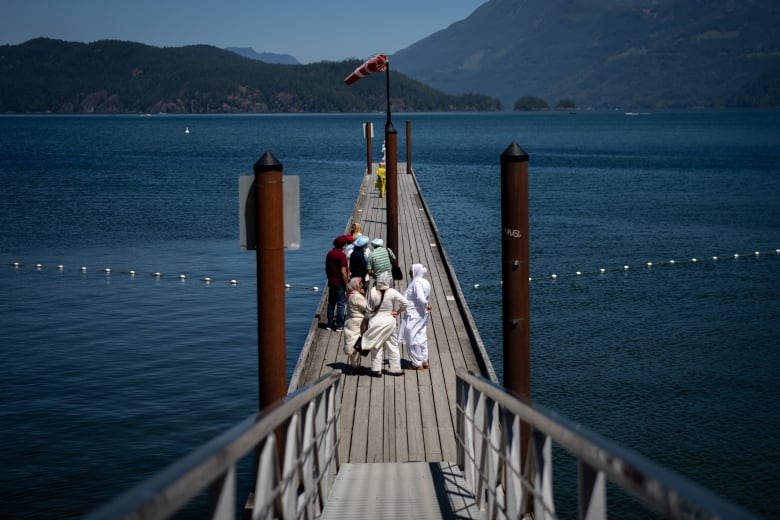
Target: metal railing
(296, 445)
(489, 453)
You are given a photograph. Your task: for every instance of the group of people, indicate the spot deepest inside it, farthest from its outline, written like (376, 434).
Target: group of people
(363, 304)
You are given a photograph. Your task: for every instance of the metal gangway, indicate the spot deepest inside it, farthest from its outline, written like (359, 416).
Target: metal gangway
(298, 473)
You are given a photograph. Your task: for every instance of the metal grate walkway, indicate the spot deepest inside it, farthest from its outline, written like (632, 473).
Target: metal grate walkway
(411, 490)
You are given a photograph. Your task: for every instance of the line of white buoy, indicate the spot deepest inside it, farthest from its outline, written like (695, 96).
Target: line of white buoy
(157, 275)
(553, 276)
(647, 265)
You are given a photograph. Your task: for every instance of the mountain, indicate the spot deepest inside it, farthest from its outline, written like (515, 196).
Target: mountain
(267, 57)
(44, 75)
(608, 53)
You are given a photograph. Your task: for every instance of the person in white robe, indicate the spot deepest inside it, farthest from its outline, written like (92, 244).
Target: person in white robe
(356, 309)
(414, 325)
(384, 305)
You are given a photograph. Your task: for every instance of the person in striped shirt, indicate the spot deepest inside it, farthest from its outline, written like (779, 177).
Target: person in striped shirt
(380, 260)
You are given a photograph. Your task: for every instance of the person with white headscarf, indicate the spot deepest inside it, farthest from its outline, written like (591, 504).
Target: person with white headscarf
(384, 304)
(356, 309)
(414, 325)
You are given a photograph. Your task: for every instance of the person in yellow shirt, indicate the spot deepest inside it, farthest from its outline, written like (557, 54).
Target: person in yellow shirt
(381, 174)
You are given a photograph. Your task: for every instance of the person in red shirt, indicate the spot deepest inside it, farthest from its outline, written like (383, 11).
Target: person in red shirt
(337, 271)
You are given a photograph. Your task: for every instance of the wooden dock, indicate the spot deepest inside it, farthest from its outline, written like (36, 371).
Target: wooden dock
(410, 418)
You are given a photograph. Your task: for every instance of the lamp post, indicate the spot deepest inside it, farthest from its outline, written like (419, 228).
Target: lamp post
(391, 143)
(379, 63)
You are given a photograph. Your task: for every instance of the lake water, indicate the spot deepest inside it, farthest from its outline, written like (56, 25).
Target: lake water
(107, 377)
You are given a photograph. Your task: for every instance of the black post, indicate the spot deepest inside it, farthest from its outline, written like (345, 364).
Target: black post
(408, 147)
(515, 274)
(391, 164)
(271, 356)
(369, 140)
(515, 271)
(387, 91)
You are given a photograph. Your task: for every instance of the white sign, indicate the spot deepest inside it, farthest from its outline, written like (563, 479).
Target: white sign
(247, 211)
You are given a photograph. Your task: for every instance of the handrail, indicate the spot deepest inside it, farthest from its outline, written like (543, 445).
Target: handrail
(489, 427)
(295, 487)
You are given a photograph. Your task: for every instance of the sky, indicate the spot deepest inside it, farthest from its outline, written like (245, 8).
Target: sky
(310, 30)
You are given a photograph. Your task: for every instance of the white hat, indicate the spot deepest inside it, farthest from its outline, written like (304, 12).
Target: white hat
(377, 242)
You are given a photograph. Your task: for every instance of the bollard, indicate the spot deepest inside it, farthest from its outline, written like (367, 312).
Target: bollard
(515, 271)
(368, 133)
(391, 145)
(515, 274)
(272, 372)
(408, 147)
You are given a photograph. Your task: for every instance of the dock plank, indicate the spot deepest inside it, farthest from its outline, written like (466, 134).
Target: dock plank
(409, 418)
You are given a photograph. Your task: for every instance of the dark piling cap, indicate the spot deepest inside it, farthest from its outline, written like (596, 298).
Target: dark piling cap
(267, 163)
(514, 153)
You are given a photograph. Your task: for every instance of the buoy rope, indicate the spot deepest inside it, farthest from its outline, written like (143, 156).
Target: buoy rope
(182, 277)
(157, 275)
(647, 266)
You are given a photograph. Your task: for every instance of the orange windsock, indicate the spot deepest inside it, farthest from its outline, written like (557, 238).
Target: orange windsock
(376, 64)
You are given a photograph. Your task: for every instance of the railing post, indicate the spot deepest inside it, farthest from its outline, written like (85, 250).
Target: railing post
(369, 131)
(408, 147)
(391, 143)
(515, 273)
(270, 280)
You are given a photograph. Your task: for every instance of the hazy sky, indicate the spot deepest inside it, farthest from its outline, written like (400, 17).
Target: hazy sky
(310, 30)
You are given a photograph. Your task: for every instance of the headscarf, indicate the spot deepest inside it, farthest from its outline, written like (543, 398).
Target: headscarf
(383, 281)
(419, 271)
(353, 286)
(419, 285)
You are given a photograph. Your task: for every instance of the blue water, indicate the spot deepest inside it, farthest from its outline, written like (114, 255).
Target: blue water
(107, 378)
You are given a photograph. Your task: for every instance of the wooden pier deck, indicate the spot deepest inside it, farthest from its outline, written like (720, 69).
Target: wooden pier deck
(409, 418)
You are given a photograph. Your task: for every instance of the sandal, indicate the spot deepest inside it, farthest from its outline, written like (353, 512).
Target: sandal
(426, 366)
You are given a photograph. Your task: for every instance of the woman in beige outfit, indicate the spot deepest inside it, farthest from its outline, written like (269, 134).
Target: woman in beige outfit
(356, 309)
(384, 304)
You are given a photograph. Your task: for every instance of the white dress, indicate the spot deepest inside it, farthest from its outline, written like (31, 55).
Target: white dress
(414, 325)
(356, 308)
(381, 334)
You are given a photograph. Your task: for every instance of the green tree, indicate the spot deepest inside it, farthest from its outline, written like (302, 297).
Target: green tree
(531, 103)
(108, 76)
(566, 104)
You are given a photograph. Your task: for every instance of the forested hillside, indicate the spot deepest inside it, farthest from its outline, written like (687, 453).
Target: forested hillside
(52, 76)
(655, 54)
